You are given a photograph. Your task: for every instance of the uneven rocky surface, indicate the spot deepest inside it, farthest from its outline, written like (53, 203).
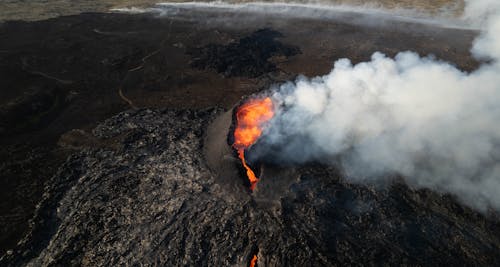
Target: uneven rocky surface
(249, 57)
(143, 194)
(68, 74)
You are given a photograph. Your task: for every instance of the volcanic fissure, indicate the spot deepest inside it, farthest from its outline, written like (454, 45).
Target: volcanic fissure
(251, 117)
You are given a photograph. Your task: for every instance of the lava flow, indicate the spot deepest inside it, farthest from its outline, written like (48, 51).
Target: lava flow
(253, 261)
(250, 119)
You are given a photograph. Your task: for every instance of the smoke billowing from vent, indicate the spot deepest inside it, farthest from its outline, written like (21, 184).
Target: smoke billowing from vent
(421, 118)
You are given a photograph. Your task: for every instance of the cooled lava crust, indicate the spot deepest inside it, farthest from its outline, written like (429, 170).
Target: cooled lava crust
(147, 196)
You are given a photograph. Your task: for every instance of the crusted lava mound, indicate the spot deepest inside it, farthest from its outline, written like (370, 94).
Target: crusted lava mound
(249, 57)
(144, 194)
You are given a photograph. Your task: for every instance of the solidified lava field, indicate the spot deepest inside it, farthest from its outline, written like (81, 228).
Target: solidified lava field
(145, 196)
(111, 150)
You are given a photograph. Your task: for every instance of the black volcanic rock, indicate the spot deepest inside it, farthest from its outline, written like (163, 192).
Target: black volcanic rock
(248, 57)
(31, 110)
(144, 195)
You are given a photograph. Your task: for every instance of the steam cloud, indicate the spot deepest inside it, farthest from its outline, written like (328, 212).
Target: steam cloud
(421, 118)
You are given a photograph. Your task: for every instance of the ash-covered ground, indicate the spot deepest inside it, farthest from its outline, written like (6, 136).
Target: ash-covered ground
(137, 188)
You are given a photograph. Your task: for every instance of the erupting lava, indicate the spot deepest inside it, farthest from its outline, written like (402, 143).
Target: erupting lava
(250, 118)
(253, 261)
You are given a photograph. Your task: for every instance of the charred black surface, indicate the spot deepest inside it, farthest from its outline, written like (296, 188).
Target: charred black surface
(148, 198)
(248, 57)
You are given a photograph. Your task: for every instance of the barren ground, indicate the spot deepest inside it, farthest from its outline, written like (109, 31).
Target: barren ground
(41, 9)
(62, 76)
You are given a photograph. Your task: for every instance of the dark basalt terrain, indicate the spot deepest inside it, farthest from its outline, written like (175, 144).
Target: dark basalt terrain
(109, 189)
(249, 57)
(145, 196)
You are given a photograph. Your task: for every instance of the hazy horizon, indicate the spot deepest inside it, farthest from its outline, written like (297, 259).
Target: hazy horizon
(39, 9)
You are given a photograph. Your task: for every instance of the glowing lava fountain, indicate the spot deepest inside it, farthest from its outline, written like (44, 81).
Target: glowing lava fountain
(250, 119)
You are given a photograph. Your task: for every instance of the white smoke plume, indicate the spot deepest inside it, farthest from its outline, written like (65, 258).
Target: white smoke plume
(424, 119)
(480, 11)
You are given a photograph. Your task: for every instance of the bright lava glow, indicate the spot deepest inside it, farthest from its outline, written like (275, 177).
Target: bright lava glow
(253, 261)
(250, 119)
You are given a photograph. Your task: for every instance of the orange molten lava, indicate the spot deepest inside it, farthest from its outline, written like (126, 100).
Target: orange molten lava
(253, 261)
(250, 118)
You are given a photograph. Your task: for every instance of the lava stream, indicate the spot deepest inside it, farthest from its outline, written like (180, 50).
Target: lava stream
(250, 118)
(250, 174)
(253, 261)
